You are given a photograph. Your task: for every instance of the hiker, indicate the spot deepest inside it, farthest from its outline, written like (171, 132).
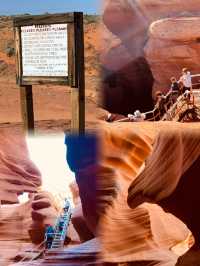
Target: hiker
(174, 85)
(67, 205)
(181, 87)
(187, 95)
(137, 116)
(186, 80)
(61, 224)
(49, 234)
(175, 89)
(160, 102)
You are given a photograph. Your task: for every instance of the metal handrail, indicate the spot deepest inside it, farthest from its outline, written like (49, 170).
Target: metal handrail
(64, 230)
(63, 234)
(32, 250)
(154, 117)
(168, 95)
(185, 101)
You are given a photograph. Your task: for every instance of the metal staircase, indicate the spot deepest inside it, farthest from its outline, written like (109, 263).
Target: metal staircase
(58, 236)
(61, 227)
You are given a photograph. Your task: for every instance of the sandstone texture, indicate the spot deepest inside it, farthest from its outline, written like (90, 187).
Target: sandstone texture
(146, 233)
(21, 224)
(165, 33)
(173, 44)
(20, 230)
(157, 9)
(126, 74)
(18, 174)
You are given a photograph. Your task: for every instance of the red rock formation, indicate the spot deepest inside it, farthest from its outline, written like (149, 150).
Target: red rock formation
(126, 74)
(174, 182)
(14, 223)
(146, 233)
(21, 225)
(156, 9)
(18, 173)
(140, 34)
(173, 44)
(80, 224)
(43, 212)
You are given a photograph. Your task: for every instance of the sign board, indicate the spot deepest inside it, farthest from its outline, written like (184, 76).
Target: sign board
(50, 50)
(46, 48)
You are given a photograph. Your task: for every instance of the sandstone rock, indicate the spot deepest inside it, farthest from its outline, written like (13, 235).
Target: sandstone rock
(146, 233)
(126, 74)
(173, 44)
(124, 19)
(75, 192)
(18, 173)
(19, 228)
(43, 212)
(156, 9)
(179, 177)
(124, 34)
(176, 29)
(15, 221)
(80, 225)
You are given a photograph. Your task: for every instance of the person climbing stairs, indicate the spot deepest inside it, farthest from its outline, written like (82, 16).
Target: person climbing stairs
(59, 232)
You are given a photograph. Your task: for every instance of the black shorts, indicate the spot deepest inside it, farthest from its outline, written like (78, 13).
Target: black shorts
(185, 89)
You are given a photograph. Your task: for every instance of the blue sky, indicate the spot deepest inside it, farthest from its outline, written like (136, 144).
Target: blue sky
(13, 7)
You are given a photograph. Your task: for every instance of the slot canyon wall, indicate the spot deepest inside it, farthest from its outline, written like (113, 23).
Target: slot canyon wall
(21, 224)
(144, 44)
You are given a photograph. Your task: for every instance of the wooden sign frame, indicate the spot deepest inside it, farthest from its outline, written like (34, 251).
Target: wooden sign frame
(76, 70)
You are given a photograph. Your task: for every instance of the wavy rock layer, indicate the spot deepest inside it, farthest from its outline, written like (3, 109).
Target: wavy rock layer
(14, 222)
(127, 74)
(176, 177)
(20, 224)
(146, 233)
(23, 224)
(18, 173)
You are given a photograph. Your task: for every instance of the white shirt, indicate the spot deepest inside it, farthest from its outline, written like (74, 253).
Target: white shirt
(137, 119)
(186, 80)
